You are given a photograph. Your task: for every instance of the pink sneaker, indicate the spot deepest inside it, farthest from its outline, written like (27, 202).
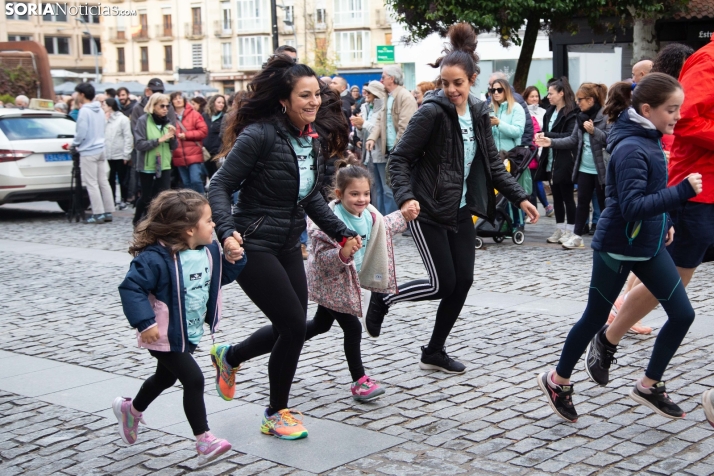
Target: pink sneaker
(128, 423)
(366, 389)
(209, 448)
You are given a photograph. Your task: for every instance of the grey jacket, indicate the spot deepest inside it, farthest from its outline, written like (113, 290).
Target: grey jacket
(144, 145)
(598, 143)
(119, 140)
(89, 136)
(376, 156)
(403, 108)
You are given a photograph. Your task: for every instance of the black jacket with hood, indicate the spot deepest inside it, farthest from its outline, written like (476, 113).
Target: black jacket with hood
(269, 215)
(427, 164)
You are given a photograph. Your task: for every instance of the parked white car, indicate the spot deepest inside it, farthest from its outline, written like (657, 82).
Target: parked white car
(35, 162)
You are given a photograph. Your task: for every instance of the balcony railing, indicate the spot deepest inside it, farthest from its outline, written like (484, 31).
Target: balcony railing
(223, 29)
(194, 31)
(117, 36)
(165, 32)
(142, 34)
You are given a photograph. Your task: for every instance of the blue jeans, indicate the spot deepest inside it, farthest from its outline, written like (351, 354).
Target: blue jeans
(383, 196)
(596, 210)
(303, 236)
(192, 177)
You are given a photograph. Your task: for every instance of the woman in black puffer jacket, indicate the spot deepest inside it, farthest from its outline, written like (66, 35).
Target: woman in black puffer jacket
(214, 116)
(276, 162)
(444, 169)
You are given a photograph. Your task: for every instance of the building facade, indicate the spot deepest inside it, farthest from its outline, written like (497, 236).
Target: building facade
(231, 39)
(70, 33)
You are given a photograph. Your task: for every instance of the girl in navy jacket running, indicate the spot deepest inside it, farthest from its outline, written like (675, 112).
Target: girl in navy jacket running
(631, 235)
(173, 286)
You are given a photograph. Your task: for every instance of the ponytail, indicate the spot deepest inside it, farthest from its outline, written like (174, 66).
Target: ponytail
(620, 98)
(346, 171)
(596, 91)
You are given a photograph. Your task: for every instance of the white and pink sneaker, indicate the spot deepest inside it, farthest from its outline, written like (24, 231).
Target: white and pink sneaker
(209, 448)
(366, 389)
(128, 422)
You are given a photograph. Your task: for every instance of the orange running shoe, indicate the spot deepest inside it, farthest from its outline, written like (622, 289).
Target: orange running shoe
(284, 425)
(225, 373)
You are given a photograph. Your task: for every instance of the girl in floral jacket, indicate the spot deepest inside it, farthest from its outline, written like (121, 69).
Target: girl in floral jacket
(336, 274)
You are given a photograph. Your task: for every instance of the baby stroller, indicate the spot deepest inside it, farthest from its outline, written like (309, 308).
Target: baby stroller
(517, 161)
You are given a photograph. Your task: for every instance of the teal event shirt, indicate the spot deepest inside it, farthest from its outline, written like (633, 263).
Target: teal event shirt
(467, 133)
(587, 161)
(361, 224)
(306, 163)
(197, 281)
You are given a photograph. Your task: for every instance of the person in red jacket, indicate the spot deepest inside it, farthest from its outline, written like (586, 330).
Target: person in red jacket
(191, 129)
(692, 151)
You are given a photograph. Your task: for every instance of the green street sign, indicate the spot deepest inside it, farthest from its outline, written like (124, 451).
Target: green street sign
(385, 54)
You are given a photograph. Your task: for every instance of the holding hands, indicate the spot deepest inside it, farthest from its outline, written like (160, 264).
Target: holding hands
(351, 247)
(232, 248)
(410, 210)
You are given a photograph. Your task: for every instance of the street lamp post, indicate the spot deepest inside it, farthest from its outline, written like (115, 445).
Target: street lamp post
(93, 46)
(290, 23)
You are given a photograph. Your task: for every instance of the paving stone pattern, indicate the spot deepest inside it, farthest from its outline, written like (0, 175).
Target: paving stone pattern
(491, 420)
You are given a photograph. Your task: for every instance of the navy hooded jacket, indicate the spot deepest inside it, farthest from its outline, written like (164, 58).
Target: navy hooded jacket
(153, 294)
(635, 222)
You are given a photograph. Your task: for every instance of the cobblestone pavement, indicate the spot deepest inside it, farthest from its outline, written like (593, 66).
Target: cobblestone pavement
(491, 420)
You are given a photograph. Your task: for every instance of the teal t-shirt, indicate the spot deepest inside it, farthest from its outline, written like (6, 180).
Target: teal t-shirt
(306, 164)
(391, 131)
(197, 281)
(467, 133)
(587, 161)
(553, 118)
(360, 224)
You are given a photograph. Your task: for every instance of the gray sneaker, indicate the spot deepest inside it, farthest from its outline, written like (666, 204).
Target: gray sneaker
(555, 237)
(574, 242)
(94, 220)
(107, 217)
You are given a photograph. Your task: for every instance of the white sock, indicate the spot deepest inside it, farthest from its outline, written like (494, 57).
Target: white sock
(570, 228)
(560, 226)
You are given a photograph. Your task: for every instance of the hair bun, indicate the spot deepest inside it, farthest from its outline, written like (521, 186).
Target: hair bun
(463, 38)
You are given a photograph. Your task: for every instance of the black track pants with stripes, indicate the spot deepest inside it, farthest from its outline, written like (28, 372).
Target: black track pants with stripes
(449, 259)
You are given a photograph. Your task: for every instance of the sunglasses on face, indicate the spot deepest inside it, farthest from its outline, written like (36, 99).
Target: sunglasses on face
(496, 90)
(580, 99)
(163, 106)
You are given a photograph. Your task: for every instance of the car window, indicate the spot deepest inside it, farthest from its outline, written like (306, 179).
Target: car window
(37, 127)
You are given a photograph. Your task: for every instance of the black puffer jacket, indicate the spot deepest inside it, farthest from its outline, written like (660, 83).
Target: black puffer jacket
(212, 142)
(268, 214)
(427, 164)
(563, 159)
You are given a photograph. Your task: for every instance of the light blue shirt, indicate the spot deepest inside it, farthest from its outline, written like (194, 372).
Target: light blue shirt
(467, 133)
(391, 131)
(361, 224)
(306, 164)
(587, 161)
(197, 281)
(553, 118)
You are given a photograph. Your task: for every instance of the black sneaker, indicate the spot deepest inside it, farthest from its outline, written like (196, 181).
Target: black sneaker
(559, 398)
(599, 357)
(375, 314)
(440, 360)
(658, 401)
(592, 229)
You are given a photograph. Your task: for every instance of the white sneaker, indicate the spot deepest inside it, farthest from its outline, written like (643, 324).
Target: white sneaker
(555, 236)
(565, 237)
(573, 242)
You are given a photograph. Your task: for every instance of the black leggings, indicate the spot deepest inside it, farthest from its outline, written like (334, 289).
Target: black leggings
(150, 187)
(321, 323)
(587, 185)
(563, 202)
(449, 260)
(661, 278)
(278, 286)
(172, 366)
(117, 173)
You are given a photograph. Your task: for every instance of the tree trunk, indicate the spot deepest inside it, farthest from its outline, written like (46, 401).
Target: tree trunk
(527, 48)
(644, 37)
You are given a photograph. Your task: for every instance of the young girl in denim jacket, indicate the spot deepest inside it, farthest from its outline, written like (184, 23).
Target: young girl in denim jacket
(335, 274)
(173, 286)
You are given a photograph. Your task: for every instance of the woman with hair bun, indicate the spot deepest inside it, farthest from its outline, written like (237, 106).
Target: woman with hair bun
(276, 162)
(589, 138)
(445, 169)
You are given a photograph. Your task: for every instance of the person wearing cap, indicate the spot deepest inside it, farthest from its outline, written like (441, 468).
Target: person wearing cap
(155, 85)
(364, 122)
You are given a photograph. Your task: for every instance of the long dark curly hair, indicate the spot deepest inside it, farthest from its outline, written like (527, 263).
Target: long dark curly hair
(273, 84)
(331, 124)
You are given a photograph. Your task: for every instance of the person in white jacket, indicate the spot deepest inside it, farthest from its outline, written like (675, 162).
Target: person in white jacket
(118, 145)
(374, 94)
